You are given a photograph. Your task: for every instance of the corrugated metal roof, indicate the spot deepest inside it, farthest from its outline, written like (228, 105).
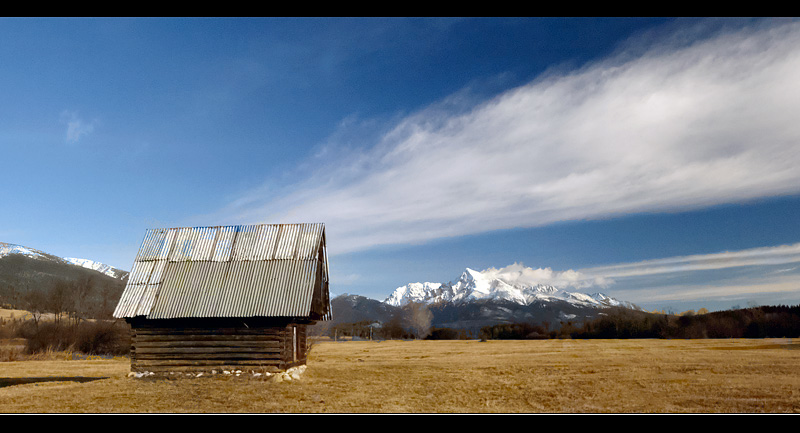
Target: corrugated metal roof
(269, 270)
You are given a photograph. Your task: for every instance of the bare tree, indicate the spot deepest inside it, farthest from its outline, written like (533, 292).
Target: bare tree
(82, 290)
(420, 318)
(35, 302)
(393, 328)
(59, 300)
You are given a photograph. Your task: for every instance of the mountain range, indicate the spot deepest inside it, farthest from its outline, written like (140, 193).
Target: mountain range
(474, 286)
(7, 249)
(30, 278)
(477, 299)
(474, 300)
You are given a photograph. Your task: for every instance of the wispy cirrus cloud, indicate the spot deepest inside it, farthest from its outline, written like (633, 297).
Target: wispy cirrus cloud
(77, 127)
(766, 256)
(703, 294)
(688, 278)
(605, 276)
(680, 125)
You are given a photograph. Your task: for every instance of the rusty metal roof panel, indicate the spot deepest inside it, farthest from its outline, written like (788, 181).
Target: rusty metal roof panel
(226, 271)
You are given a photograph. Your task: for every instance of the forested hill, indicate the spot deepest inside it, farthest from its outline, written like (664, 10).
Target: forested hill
(31, 283)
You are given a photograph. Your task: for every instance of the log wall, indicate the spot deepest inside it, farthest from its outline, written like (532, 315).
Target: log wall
(204, 348)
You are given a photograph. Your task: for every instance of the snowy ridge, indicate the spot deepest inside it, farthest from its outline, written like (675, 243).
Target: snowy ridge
(97, 266)
(8, 249)
(419, 292)
(473, 285)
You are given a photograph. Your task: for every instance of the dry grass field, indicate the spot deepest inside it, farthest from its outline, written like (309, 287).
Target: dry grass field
(572, 376)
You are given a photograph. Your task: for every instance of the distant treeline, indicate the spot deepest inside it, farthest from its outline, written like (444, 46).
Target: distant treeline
(392, 330)
(757, 322)
(365, 330)
(412, 321)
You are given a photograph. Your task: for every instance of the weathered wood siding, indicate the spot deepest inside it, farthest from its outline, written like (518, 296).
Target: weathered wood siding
(199, 347)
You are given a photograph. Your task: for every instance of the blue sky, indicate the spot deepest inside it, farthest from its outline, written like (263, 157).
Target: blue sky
(654, 160)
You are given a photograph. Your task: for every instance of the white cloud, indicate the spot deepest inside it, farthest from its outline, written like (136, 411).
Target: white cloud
(654, 279)
(717, 292)
(76, 127)
(766, 256)
(518, 273)
(680, 126)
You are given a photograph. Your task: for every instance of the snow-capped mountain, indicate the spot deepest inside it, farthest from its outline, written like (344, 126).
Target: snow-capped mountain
(8, 249)
(474, 285)
(97, 266)
(419, 292)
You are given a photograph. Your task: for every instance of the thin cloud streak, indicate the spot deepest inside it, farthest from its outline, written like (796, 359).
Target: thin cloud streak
(653, 276)
(676, 128)
(717, 292)
(766, 256)
(653, 283)
(605, 276)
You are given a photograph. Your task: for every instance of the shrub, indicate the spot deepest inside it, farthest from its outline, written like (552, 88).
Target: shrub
(91, 338)
(45, 336)
(102, 338)
(515, 331)
(447, 334)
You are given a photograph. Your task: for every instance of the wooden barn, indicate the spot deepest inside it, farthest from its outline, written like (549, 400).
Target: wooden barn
(226, 297)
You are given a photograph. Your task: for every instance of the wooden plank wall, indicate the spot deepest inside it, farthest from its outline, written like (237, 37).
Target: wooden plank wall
(302, 347)
(156, 349)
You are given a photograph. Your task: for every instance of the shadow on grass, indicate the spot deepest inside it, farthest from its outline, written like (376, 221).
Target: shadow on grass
(9, 381)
